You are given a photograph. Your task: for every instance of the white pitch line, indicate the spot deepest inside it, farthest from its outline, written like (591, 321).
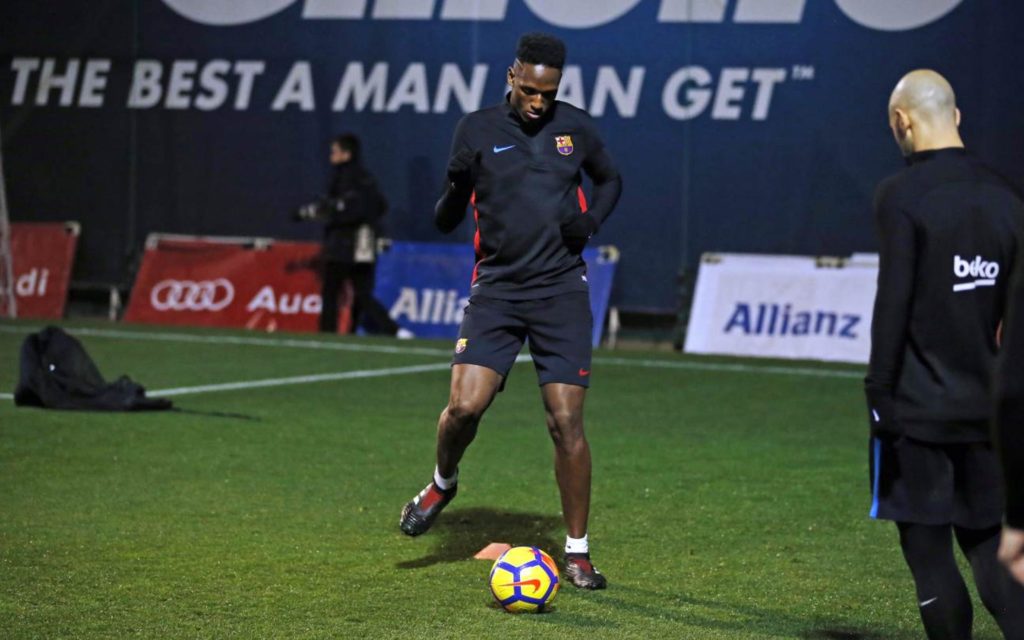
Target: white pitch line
(408, 350)
(320, 377)
(242, 340)
(728, 367)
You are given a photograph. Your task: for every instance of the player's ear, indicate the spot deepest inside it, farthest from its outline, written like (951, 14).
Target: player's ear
(901, 120)
(510, 76)
(956, 113)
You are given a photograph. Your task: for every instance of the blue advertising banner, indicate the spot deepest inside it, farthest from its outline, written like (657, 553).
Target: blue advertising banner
(425, 286)
(738, 125)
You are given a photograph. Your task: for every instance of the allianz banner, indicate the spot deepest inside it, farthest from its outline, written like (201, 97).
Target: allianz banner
(426, 285)
(784, 307)
(738, 125)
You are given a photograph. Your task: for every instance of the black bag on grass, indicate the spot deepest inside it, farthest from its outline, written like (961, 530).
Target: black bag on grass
(57, 373)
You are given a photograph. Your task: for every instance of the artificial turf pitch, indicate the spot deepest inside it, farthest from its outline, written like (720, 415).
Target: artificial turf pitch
(730, 499)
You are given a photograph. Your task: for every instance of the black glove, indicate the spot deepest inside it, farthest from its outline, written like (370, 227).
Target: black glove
(319, 209)
(461, 168)
(307, 212)
(882, 415)
(577, 230)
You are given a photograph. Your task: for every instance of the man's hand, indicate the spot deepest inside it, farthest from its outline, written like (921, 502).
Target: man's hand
(307, 212)
(881, 415)
(577, 230)
(461, 168)
(1011, 552)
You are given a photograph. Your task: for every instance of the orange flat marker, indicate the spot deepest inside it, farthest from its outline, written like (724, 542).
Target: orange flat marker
(492, 551)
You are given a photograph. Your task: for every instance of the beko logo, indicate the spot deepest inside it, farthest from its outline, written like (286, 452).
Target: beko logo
(186, 295)
(984, 273)
(882, 15)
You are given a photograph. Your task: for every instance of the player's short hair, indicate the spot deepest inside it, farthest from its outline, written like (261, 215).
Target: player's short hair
(541, 48)
(348, 142)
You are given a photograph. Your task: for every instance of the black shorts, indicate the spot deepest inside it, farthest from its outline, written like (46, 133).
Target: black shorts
(558, 330)
(935, 484)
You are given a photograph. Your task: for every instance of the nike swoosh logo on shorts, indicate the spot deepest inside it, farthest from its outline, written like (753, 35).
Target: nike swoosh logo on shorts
(498, 149)
(929, 601)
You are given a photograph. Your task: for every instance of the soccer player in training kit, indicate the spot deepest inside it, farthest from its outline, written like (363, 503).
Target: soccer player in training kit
(520, 164)
(1008, 425)
(948, 230)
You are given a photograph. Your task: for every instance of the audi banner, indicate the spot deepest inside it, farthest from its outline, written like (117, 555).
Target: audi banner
(42, 255)
(252, 283)
(274, 285)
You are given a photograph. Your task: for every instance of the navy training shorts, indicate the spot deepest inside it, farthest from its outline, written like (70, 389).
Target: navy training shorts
(558, 330)
(935, 484)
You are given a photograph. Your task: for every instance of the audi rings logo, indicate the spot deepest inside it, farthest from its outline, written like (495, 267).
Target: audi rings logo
(186, 295)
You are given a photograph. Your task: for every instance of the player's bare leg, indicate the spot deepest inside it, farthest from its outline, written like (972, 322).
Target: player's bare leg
(563, 405)
(472, 390)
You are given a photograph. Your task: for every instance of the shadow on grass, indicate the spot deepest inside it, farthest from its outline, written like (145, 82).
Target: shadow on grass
(459, 534)
(767, 622)
(837, 634)
(214, 414)
(547, 611)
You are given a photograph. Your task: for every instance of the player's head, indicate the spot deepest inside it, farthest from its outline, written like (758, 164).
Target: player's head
(535, 74)
(923, 113)
(344, 148)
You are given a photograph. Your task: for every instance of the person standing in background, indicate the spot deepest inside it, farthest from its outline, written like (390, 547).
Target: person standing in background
(351, 213)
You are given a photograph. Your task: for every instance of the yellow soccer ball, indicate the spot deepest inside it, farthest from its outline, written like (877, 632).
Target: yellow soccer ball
(524, 580)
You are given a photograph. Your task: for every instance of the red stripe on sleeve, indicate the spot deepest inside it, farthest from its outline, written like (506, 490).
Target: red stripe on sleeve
(582, 198)
(476, 237)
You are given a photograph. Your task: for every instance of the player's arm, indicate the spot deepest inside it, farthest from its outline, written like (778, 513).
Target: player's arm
(1008, 422)
(601, 169)
(1011, 551)
(897, 257)
(461, 174)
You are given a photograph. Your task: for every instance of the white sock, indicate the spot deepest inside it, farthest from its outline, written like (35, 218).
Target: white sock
(445, 484)
(577, 545)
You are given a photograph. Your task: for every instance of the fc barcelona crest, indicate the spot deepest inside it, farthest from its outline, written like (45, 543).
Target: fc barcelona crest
(564, 145)
(460, 345)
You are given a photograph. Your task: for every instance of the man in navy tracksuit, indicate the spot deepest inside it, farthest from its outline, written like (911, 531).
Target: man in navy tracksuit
(519, 163)
(949, 233)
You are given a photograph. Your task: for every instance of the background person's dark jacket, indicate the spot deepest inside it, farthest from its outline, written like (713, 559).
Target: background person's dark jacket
(352, 214)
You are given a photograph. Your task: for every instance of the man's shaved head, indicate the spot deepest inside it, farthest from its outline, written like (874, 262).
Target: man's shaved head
(923, 113)
(927, 94)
